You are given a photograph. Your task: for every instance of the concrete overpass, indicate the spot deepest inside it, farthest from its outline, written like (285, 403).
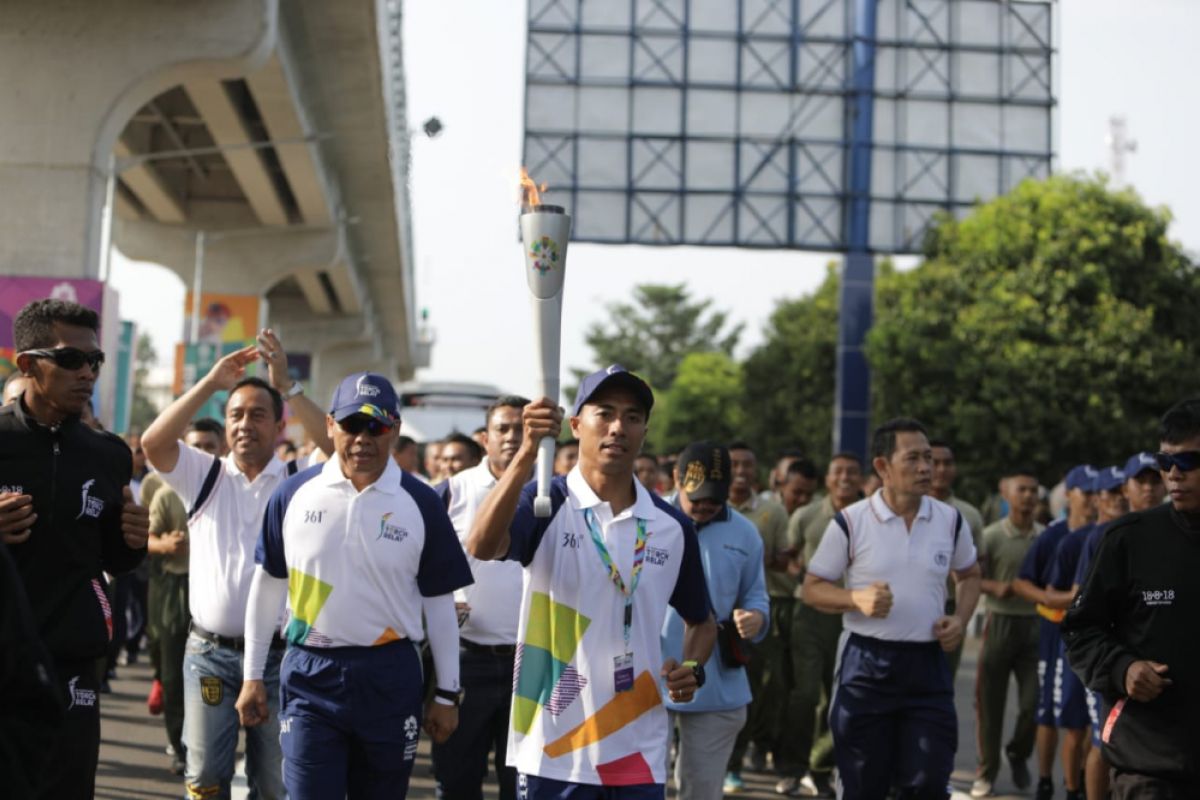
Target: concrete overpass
(274, 128)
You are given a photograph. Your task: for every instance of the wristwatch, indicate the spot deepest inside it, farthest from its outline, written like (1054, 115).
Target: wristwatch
(697, 670)
(452, 697)
(297, 388)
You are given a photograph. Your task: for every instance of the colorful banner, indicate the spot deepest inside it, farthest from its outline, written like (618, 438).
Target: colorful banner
(223, 317)
(124, 367)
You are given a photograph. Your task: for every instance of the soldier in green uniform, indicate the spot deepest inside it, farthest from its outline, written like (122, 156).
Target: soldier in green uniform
(941, 487)
(814, 638)
(1010, 639)
(768, 671)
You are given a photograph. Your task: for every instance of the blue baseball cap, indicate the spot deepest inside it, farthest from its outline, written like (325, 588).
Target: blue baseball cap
(1082, 477)
(1138, 464)
(1110, 478)
(614, 375)
(365, 393)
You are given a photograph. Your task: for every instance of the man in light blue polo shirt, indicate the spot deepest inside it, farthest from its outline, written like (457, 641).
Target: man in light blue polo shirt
(892, 714)
(732, 553)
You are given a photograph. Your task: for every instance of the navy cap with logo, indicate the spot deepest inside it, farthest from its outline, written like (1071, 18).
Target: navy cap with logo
(616, 376)
(1140, 463)
(705, 470)
(1082, 477)
(1109, 479)
(365, 393)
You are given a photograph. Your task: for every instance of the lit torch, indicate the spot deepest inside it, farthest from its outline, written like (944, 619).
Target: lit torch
(544, 233)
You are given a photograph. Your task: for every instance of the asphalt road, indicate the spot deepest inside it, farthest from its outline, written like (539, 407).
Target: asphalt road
(133, 763)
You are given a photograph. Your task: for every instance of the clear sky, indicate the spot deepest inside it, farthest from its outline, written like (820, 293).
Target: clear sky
(464, 62)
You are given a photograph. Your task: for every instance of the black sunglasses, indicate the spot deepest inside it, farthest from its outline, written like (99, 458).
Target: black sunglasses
(71, 358)
(357, 423)
(1185, 461)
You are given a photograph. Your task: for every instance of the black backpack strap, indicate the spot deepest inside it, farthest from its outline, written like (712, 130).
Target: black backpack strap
(210, 480)
(840, 519)
(291, 468)
(957, 526)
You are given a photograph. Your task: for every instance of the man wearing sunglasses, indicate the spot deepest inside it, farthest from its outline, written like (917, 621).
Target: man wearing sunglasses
(1131, 632)
(226, 498)
(358, 549)
(66, 516)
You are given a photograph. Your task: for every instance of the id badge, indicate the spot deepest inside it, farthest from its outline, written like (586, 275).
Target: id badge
(623, 672)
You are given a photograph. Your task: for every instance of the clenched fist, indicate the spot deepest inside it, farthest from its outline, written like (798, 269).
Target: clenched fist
(874, 600)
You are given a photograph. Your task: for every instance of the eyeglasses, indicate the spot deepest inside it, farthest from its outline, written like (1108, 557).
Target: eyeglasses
(1185, 461)
(357, 423)
(71, 358)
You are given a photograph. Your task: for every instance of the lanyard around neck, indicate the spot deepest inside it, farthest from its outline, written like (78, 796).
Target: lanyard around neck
(614, 574)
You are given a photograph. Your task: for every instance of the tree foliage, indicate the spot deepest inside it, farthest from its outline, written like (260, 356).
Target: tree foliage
(704, 402)
(789, 378)
(1051, 326)
(651, 335)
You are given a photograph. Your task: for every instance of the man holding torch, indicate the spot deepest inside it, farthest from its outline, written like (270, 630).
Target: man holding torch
(587, 717)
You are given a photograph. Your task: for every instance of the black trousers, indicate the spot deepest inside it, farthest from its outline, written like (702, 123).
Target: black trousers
(1135, 786)
(460, 764)
(71, 770)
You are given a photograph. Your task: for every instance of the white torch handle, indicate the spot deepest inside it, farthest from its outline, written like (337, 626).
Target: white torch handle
(547, 322)
(545, 231)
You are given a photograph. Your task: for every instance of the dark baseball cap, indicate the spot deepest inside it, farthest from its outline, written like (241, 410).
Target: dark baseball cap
(1110, 479)
(365, 393)
(704, 471)
(1138, 464)
(1082, 477)
(614, 375)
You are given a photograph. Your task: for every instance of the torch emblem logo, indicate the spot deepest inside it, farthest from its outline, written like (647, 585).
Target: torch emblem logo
(544, 253)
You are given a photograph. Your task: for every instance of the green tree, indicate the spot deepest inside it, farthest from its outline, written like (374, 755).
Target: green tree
(789, 378)
(142, 411)
(704, 402)
(1049, 327)
(651, 335)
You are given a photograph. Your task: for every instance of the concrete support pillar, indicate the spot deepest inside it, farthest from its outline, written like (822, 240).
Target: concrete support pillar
(335, 362)
(76, 71)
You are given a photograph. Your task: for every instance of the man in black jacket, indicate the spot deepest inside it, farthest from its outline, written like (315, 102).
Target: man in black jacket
(1130, 634)
(67, 515)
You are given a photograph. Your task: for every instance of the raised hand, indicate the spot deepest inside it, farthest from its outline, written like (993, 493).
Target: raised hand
(271, 351)
(232, 368)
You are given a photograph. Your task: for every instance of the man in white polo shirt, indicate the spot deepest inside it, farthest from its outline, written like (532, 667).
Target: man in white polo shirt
(359, 549)
(226, 498)
(892, 715)
(488, 638)
(587, 717)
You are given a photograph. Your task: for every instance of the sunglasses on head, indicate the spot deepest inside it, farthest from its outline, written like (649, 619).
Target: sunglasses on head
(357, 423)
(71, 358)
(1185, 461)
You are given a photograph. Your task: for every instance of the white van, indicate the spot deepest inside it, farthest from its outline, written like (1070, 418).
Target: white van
(431, 410)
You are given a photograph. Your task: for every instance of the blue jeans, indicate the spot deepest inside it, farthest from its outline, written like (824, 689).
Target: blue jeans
(461, 762)
(212, 679)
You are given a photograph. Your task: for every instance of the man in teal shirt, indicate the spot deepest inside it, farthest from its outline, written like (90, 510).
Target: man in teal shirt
(732, 554)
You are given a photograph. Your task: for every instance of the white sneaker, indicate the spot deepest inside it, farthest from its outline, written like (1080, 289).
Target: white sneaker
(981, 788)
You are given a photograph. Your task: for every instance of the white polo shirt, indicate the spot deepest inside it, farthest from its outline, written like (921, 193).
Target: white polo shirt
(358, 563)
(495, 596)
(876, 546)
(222, 536)
(569, 722)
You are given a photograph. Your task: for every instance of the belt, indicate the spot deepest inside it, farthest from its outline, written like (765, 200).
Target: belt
(233, 642)
(490, 649)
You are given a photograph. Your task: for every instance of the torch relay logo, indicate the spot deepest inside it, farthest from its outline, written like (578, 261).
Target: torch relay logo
(544, 253)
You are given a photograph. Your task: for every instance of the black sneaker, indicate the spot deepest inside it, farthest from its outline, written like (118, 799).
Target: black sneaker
(1020, 773)
(178, 766)
(1076, 794)
(1045, 789)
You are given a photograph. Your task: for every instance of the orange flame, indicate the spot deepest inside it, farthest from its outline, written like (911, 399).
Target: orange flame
(531, 193)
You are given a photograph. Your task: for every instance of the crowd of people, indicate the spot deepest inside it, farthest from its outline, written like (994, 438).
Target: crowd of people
(672, 620)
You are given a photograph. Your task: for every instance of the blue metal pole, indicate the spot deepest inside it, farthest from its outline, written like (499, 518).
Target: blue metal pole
(852, 409)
